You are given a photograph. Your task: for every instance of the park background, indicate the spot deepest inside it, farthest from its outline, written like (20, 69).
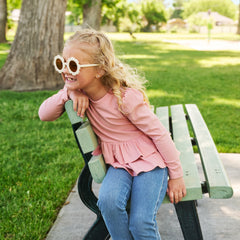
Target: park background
(40, 161)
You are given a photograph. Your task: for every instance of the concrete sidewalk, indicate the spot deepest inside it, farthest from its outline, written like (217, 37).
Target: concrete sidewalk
(204, 45)
(220, 219)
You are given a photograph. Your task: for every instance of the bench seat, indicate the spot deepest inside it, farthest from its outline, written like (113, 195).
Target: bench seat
(216, 182)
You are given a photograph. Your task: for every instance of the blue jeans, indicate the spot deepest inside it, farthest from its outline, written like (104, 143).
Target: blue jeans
(147, 191)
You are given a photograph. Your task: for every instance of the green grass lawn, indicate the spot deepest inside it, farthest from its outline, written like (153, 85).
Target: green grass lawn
(40, 161)
(176, 74)
(4, 50)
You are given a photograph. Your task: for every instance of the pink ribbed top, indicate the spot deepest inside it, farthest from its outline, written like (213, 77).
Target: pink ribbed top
(135, 140)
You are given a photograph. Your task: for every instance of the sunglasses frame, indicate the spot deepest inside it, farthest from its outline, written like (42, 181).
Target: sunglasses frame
(64, 64)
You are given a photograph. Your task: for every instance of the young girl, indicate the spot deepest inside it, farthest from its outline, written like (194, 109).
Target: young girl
(138, 149)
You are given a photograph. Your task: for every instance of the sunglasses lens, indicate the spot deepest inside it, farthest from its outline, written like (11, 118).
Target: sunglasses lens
(59, 64)
(73, 66)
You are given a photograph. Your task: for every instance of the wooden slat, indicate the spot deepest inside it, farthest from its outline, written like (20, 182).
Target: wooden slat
(97, 168)
(217, 181)
(162, 114)
(73, 117)
(183, 143)
(86, 137)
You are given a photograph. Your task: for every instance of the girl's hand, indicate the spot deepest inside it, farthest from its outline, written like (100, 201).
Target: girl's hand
(80, 102)
(176, 190)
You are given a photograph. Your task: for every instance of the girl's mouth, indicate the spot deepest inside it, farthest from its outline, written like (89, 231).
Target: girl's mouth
(70, 79)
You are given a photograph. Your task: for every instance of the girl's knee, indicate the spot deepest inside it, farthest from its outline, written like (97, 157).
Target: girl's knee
(142, 227)
(111, 203)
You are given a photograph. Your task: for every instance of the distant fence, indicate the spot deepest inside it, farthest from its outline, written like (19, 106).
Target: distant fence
(72, 28)
(203, 29)
(218, 29)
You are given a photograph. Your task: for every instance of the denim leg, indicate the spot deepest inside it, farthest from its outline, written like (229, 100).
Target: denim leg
(148, 191)
(112, 200)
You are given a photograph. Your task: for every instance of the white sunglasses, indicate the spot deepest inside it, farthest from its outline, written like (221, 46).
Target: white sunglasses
(72, 65)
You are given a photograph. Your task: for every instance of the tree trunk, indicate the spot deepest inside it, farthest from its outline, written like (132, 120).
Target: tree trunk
(238, 29)
(3, 20)
(92, 14)
(39, 38)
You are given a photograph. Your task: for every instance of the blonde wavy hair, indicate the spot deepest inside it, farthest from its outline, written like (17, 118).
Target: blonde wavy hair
(118, 76)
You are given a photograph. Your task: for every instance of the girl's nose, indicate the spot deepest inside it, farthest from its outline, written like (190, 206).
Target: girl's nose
(65, 69)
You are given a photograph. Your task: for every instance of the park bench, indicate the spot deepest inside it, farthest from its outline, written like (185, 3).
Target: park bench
(190, 133)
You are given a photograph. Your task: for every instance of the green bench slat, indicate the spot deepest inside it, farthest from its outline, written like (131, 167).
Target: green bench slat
(217, 181)
(183, 143)
(72, 115)
(162, 114)
(97, 168)
(86, 137)
(88, 142)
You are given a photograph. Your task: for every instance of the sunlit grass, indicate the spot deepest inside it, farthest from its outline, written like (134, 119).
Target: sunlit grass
(159, 93)
(4, 50)
(229, 102)
(219, 61)
(140, 56)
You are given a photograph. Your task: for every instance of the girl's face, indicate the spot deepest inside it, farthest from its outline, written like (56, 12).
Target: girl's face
(88, 77)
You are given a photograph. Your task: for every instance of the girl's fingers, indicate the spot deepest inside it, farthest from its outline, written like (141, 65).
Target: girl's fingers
(75, 106)
(82, 106)
(176, 197)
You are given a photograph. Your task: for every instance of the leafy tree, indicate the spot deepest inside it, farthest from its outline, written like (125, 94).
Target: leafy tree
(75, 7)
(6, 6)
(238, 28)
(92, 13)
(14, 4)
(113, 11)
(178, 8)
(224, 7)
(95, 12)
(154, 12)
(134, 13)
(121, 14)
(85, 12)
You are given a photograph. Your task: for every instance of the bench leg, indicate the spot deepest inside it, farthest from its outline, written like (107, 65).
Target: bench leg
(98, 231)
(85, 190)
(188, 219)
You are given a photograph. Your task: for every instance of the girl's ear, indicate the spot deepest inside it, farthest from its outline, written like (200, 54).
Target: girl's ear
(100, 73)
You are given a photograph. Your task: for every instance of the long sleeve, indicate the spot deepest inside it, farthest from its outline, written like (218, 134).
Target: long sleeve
(139, 113)
(53, 107)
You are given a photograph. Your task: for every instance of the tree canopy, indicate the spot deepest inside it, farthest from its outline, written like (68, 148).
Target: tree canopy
(154, 12)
